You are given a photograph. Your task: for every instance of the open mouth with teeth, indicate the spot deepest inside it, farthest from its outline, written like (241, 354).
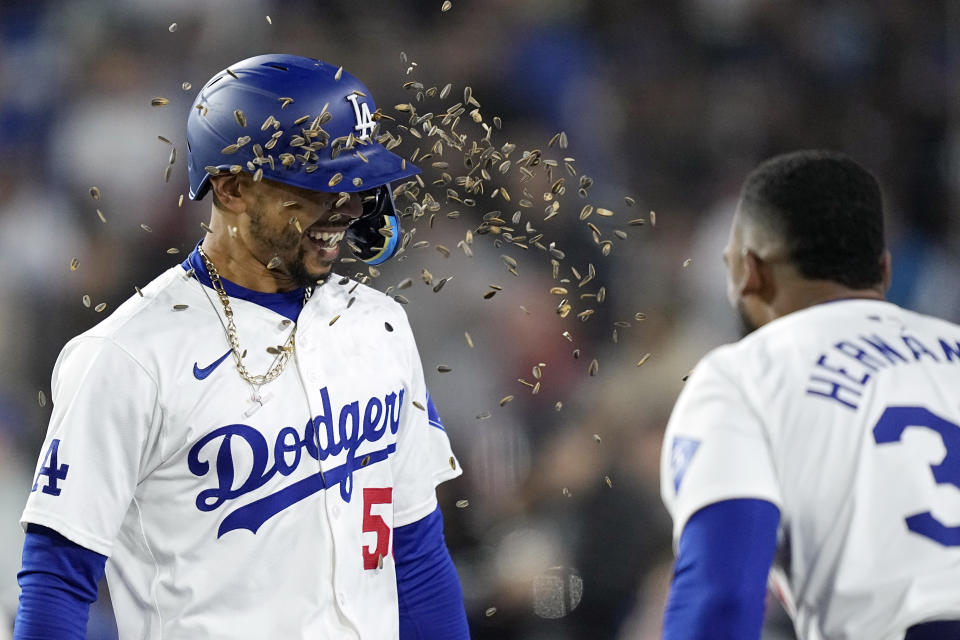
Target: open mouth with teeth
(325, 239)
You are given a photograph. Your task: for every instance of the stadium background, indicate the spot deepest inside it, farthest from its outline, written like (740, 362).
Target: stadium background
(670, 103)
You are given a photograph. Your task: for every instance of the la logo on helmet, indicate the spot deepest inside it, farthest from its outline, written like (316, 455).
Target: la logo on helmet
(365, 124)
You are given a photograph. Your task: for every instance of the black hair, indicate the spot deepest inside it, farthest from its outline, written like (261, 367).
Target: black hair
(828, 211)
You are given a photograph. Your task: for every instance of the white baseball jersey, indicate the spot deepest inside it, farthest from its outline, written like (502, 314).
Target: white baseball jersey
(223, 518)
(846, 416)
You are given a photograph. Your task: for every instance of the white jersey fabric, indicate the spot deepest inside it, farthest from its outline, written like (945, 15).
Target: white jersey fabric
(223, 518)
(846, 416)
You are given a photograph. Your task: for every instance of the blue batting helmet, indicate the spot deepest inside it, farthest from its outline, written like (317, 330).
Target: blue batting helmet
(301, 121)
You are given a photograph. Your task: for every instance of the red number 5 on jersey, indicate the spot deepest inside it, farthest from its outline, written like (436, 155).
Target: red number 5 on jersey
(375, 524)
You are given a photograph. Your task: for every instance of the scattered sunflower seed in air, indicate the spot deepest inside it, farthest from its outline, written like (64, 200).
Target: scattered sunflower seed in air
(387, 326)
(334, 319)
(269, 21)
(42, 399)
(653, 218)
(274, 262)
(100, 307)
(566, 493)
(453, 463)
(463, 504)
(629, 201)
(186, 86)
(241, 119)
(86, 301)
(505, 400)
(74, 264)
(173, 251)
(172, 27)
(95, 193)
(100, 215)
(597, 438)
(146, 228)
(594, 367)
(338, 74)
(180, 307)
(159, 102)
(608, 481)
(469, 339)
(687, 262)
(490, 611)
(418, 405)
(645, 357)
(684, 378)
(444, 368)
(446, 6)
(558, 406)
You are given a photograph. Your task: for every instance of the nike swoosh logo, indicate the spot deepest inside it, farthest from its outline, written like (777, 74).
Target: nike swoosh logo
(201, 374)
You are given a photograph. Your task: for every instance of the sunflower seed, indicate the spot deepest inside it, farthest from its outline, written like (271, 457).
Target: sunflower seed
(159, 102)
(418, 405)
(443, 250)
(86, 301)
(74, 264)
(404, 284)
(645, 357)
(180, 307)
(504, 401)
(686, 376)
(444, 368)
(186, 86)
(439, 285)
(606, 213)
(446, 6)
(333, 319)
(146, 228)
(212, 170)
(653, 218)
(608, 481)
(100, 307)
(95, 193)
(559, 291)
(42, 398)
(173, 251)
(274, 262)
(388, 326)
(206, 227)
(338, 74)
(283, 101)
(172, 27)
(566, 493)
(166, 174)
(489, 294)
(597, 438)
(357, 181)
(687, 262)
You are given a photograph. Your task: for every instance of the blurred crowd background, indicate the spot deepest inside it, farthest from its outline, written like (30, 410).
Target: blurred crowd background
(668, 103)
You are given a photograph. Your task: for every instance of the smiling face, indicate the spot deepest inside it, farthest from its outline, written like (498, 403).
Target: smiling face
(291, 233)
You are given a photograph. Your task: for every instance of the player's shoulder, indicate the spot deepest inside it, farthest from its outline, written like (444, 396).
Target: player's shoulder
(143, 318)
(343, 292)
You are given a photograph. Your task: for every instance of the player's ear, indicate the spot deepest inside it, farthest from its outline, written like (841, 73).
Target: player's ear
(757, 277)
(886, 266)
(226, 190)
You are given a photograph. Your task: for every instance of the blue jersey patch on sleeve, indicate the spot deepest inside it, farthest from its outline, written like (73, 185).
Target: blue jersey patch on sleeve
(680, 456)
(432, 415)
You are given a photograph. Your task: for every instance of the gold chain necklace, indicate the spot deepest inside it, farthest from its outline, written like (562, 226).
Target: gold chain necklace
(285, 351)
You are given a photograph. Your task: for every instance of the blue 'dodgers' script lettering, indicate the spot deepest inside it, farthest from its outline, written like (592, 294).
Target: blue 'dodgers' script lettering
(323, 436)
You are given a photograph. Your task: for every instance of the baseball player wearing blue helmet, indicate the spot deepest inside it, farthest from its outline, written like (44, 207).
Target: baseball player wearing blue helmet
(247, 447)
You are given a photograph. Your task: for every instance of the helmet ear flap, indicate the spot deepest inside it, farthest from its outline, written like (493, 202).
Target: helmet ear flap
(376, 233)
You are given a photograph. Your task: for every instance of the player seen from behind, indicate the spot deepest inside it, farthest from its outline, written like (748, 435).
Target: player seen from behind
(249, 445)
(826, 442)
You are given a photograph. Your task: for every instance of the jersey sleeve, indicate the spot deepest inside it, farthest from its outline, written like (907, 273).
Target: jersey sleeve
(105, 408)
(715, 448)
(424, 458)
